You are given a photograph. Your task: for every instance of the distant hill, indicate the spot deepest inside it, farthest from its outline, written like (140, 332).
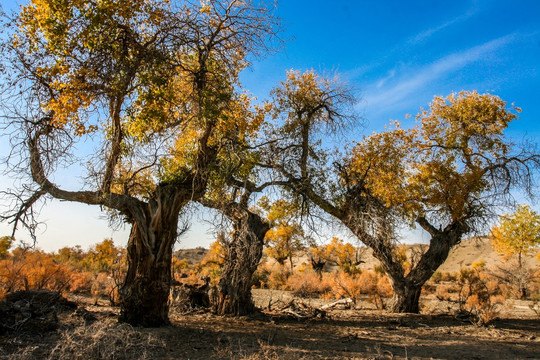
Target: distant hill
(465, 254)
(194, 256)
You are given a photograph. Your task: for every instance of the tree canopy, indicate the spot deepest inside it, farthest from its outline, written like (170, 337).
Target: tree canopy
(517, 232)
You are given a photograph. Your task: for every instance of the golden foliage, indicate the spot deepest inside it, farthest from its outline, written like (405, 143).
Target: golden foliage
(72, 37)
(440, 164)
(343, 254)
(5, 244)
(285, 237)
(517, 232)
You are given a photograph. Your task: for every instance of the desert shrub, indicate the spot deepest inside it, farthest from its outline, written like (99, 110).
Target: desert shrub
(384, 287)
(80, 282)
(107, 340)
(450, 277)
(479, 294)
(535, 285)
(517, 281)
(443, 292)
(104, 286)
(308, 284)
(277, 279)
(27, 269)
(436, 277)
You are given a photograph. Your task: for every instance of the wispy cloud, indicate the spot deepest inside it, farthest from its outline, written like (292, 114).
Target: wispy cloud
(383, 81)
(382, 92)
(426, 34)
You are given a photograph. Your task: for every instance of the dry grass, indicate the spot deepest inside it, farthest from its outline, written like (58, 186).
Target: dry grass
(106, 340)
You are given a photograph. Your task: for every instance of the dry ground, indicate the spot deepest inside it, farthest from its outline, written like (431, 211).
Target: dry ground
(362, 333)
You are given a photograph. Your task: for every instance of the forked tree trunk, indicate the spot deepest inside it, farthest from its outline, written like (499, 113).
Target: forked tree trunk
(244, 255)
(406, 297)
(407, 290)
(145, 293)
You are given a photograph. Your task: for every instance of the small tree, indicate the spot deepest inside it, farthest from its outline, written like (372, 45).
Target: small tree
(515, 234)
(5, 244)
(102, 256)
(344, 255)
(286, 236)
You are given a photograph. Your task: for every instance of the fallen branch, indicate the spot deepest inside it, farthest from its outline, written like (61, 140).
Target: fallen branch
(347, 302)
(301, 310)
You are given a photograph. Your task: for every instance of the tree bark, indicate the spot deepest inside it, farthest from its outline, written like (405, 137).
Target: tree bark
(244, 255)
(145, 293)
(406, 297)
(407, 289)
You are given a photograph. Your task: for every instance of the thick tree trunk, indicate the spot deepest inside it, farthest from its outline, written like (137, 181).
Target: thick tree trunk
(407, 289)
(244, 255)
(145, 293)
(406, 297)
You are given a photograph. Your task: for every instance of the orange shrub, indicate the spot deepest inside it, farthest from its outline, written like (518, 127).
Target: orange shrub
(32, 270)
(345, 285)
(10, 276)
(308, 284)
(80, 282)
(277, 279)
(479, 294)
(352, 286)
(370, 283)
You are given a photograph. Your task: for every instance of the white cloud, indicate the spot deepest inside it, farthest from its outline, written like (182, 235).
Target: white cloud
(424, 35)
(390, 75)
(379, 95)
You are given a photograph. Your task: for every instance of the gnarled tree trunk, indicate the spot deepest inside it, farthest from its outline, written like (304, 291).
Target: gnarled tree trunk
(406, 297)
(244, 255)
(145, 293)
(407, 289)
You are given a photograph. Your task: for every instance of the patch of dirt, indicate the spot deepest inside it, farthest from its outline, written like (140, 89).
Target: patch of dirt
(360, 333)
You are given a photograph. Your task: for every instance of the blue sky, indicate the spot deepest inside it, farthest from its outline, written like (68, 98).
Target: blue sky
(397, 54)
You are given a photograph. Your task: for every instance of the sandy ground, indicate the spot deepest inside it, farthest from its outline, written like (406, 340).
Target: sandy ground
(360, 333)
